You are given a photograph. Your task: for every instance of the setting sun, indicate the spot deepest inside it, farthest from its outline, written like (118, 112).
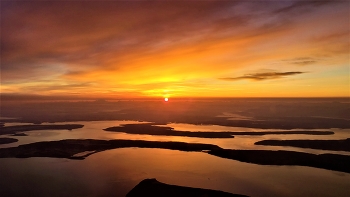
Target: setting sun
(166, 99)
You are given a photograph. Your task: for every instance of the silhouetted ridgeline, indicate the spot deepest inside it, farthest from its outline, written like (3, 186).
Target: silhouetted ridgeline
(151, 129)
(22, 128)
(337, 145)
(70, 148)
(154, 188)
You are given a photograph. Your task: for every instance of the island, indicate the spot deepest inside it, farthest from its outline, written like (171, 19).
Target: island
(82, 148)
(280, 157)
(154, 188)
(21, 128)
(152, 129)
(336, 145)
(19, 134)
(7, 140)
(70, 148)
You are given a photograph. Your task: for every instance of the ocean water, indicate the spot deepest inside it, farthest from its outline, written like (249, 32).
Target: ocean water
(115, 172)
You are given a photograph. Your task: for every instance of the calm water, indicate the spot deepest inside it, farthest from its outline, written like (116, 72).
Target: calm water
(115, 172)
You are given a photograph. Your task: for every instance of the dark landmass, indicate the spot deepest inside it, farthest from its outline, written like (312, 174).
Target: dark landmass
(151, 129)
(269, 157)
(70, 148)
(284, 133)
(154, 188)
(19, 134)
(263, 113)
(337, 145)
(264, 122)
(7, 140)
(21, 128)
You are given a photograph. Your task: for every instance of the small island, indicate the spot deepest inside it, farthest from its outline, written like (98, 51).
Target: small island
(152, 129)
(154, 188)
(271, 157)
(21, 128)
(19, 134)
(7, 140)
(336, 145)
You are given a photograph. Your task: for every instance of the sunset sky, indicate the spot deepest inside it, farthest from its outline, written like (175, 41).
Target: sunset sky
(171, 49)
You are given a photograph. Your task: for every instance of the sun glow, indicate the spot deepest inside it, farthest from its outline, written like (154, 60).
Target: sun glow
(166, 99)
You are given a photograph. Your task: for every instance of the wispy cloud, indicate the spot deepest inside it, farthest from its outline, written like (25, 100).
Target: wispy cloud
(299, 5)
(262, 76)
(301, 61)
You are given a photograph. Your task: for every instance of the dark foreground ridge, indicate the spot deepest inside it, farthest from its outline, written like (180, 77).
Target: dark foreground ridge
(151, 129)
(7, 140)
(154, 188)
(82, 148)
(22, 128)
(337, 145)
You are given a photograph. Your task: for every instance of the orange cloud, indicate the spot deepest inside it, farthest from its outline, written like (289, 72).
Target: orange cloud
(174, 48)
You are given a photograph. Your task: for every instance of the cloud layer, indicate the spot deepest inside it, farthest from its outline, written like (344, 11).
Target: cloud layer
(139, 48)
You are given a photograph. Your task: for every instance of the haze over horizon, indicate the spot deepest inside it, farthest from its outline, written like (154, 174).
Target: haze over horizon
(91, 49)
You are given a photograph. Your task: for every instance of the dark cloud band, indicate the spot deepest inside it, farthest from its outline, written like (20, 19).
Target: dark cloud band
(262, 76)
